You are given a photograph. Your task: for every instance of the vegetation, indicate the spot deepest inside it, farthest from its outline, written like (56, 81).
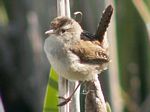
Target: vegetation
(24, 69)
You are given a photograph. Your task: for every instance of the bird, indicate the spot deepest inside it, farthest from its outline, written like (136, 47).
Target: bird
(74, 53)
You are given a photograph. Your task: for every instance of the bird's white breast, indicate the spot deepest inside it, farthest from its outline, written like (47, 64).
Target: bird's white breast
(55, 52)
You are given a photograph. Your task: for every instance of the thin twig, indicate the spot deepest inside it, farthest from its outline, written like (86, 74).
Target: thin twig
(113, 77)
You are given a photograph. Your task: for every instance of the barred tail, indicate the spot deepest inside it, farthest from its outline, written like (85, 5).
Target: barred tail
(104, 22)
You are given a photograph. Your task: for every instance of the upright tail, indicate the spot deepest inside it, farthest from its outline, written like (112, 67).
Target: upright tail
(104, 22)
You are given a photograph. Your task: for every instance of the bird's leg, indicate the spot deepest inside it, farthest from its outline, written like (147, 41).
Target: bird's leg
(66, 100)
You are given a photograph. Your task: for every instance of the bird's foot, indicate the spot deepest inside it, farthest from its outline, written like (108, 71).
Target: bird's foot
(66, 100)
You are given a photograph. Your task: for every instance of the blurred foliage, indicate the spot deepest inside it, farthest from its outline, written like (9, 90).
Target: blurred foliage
(3, 14)
(147, 3)
(23, 68)
(134, 54)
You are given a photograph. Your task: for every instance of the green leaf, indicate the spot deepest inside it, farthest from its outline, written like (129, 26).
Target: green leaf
(51, 99)
(108, 107)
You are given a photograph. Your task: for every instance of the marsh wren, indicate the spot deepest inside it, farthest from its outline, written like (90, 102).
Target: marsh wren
(73, 53)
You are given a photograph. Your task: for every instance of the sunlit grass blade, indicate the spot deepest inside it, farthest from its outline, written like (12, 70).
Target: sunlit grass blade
(51, 100)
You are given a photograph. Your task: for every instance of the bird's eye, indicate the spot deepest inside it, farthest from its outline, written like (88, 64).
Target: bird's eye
(63, 30)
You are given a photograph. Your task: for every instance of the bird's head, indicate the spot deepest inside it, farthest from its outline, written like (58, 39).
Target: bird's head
(63, 25)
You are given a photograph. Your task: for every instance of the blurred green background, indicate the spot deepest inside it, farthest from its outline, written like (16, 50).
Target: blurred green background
(24, 68)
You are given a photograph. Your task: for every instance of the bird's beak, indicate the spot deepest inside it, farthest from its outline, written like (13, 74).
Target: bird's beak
(49, 31)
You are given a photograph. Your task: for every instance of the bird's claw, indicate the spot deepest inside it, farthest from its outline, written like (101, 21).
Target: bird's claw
(66, 100)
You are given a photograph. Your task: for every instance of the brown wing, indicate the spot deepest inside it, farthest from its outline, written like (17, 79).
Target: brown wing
(89, 52)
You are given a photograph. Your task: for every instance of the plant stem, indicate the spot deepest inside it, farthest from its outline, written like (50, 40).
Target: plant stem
(66, 87)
